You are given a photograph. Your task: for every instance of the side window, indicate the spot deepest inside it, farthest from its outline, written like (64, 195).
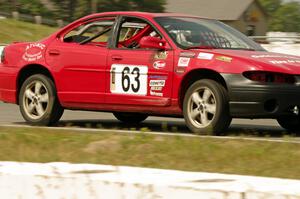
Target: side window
(131, 32)
(92, 33)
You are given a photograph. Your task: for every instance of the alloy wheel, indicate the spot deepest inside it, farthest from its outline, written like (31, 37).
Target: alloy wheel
(202, 107)
(36, 99)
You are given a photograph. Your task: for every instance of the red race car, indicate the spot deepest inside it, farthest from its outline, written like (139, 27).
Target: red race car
(138, 64)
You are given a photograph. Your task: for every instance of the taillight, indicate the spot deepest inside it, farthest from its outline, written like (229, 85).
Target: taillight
(270, 77)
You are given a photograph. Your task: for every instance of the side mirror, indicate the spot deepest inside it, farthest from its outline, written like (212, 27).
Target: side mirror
(152, 42)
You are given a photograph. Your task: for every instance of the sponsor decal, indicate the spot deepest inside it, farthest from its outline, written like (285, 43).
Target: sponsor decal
(157, 85)
(279, 59)
(274, 56)
(156, 88)
(187, 54)
(153, 93)
(113, 78)
(161, 55)
(159, 65)
(184, 61)
(180, 70)
(224, 58)
(205, 56)
(33, 52)
(285, 62)
(160, 83)
(158, 77)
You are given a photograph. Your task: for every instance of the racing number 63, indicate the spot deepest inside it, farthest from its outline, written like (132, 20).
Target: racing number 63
(126, 84)
(129, 79)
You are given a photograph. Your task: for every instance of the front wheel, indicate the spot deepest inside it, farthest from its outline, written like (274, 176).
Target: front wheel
(290, 123)
(38, 101)
(206, 108)
(131, 118)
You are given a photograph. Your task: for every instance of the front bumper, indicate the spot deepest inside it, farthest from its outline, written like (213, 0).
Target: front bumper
(250, 99)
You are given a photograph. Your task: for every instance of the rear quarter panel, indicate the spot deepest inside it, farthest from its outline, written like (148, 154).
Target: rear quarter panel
(18, 56)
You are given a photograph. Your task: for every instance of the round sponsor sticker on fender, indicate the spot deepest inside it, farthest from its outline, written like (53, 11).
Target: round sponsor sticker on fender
(159, 64)
(33, 52)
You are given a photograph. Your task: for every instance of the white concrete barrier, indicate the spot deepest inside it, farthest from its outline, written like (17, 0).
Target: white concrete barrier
(87, 181)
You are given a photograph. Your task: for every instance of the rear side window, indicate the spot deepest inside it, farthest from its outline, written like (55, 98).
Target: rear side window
(96, 32)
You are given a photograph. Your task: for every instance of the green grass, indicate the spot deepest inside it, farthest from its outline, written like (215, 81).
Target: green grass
(12, 30)
(167, 152)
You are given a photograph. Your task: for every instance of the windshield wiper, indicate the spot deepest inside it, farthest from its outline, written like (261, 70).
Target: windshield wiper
(249, 49)
(200, 47)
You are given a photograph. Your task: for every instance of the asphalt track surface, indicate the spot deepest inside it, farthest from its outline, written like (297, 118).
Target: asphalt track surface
(10, 115)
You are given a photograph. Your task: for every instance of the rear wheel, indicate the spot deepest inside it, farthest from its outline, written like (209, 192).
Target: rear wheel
(206, 108)
(131, 118)
(38, 101)
(290, 123)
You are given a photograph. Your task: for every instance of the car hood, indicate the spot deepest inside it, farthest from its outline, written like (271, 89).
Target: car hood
(259, 60)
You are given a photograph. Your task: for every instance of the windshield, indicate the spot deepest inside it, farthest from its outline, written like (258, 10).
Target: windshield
(190, 33)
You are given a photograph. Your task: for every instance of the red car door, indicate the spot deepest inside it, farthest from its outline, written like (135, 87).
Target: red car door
(80, 63)
(138, 76)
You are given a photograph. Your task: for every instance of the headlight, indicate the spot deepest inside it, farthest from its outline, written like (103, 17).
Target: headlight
(270, 77)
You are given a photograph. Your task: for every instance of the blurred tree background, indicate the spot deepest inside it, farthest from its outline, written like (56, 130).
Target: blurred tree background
(284, 17)
(70, 10)
(284, 14)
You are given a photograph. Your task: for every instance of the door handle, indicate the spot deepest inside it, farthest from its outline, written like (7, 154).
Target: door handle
(116, 57)
(54, 52)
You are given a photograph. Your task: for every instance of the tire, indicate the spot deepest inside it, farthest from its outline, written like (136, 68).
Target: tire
(206, 108)
(290, 122)
(38, 101)
(130, 118)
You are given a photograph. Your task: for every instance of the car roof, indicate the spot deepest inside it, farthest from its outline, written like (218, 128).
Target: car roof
(146, 15)
(142, 14)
